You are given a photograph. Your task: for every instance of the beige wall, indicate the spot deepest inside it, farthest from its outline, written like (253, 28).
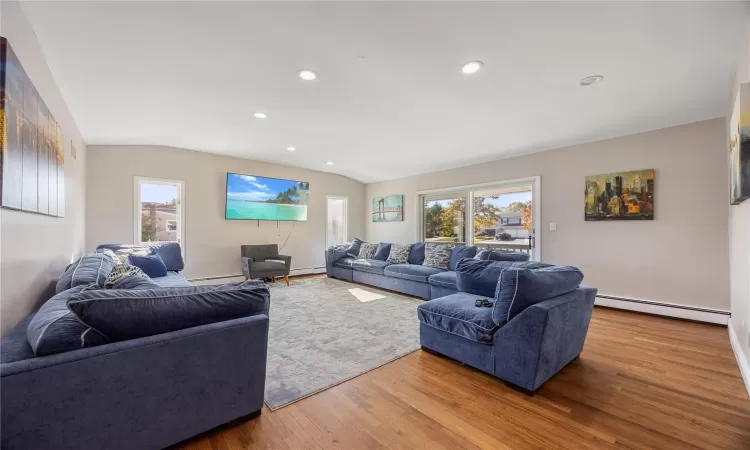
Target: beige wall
(212, 244)
(35, 249)
(680, 257)
(739, 230)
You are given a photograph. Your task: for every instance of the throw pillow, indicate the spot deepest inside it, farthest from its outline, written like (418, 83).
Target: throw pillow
(366, 251)
(416, 255)
(437, 255)
(460, 252)
(55, 329)
(130, 314)
(382, 252)
(353, 249)
(123, 254)
(399, 254)
(125, 276)
(520, 288)
(152, 265)
(92, 268)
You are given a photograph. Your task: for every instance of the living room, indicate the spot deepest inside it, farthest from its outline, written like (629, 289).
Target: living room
(278, 225)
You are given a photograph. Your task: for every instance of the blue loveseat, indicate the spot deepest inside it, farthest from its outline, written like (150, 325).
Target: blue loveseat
(412, 278)
(144, 393)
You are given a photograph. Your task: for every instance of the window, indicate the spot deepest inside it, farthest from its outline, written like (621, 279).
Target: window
(500, 215)
(336, 220)
(444, 218)
(159, 215)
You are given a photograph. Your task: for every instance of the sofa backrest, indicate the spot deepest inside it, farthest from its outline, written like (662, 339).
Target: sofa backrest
(260, 252)
(169, 252)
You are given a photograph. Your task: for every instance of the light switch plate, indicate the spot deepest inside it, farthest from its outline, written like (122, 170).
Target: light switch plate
(553, 226)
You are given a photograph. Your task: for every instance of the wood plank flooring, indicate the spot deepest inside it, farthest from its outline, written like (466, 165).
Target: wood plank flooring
(641, 382)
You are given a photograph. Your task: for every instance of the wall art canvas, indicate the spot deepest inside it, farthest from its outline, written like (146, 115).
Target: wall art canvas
(32, 149)
(388, 209)
(739, 147)
(620, 196)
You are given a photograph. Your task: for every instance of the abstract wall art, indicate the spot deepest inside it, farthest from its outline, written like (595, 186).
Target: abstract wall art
(739, 147)
(32, 149)
(620, 196)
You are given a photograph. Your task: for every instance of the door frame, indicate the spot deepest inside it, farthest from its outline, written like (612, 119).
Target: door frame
(346, 216)
(467, 189)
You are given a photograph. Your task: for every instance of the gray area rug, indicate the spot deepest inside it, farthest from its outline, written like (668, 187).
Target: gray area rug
(325, 331)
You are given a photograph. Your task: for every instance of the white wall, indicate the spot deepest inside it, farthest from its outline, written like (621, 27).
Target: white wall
(680, 257)
(739, 229)
(35, 249)
(212, 243)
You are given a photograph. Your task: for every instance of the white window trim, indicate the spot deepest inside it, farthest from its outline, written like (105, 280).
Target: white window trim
(346, 216)
(467, 190)
(137, 208)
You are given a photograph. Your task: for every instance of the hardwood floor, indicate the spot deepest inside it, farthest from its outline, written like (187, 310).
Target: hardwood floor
(641, 382)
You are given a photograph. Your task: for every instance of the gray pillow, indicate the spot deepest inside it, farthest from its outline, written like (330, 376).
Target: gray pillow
(125, 276)
(437, 255)
(54, 329)
(93, 268)
(129, 314)
(399, 254)
(367, 250)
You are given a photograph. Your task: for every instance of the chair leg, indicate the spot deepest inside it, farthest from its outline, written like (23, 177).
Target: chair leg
(247, 278)
(286, 278)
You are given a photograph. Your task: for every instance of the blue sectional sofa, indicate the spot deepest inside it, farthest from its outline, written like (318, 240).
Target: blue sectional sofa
(412, 278)
(143, 393)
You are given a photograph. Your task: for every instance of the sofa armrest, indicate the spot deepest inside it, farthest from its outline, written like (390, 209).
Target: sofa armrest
(150, 392)
(544, 338)
(287, 260)
(247, 266)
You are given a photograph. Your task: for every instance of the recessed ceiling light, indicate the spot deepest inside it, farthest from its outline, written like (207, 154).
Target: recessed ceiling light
(471, 67)
(330, 163)
(260, 115)
(291, 149)
(593, 79)
(307, 74)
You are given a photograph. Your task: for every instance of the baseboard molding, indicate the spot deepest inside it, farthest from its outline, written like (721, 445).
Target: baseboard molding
(739, 356)
(707, 315)
(292, 272)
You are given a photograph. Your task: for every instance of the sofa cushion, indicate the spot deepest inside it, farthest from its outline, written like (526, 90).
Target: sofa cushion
(353, 248)
(15, 346)
(366, 251)
(481, 277)
(411, 272)
(173, 279)
(152, 265)
(344, 263)
(92, 268)
(170, 252)
(494, 255)
(370, 265)
(55, 329)
(459, 253)
(399, 254)
(437, 255)
(382, 252)
(416, 254)
(458, 315)
(131, 314)
(520, 288)
(444, 279)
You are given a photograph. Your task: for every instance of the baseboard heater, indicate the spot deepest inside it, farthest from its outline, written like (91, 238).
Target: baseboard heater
(687, 312)
(292, 272)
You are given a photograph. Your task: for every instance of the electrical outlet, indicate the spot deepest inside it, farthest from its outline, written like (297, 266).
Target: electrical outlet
(552, 226)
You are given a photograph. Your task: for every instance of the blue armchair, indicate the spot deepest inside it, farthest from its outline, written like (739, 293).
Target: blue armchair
(525, 351)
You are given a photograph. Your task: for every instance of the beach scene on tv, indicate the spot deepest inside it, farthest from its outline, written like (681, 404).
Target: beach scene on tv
(258, 198)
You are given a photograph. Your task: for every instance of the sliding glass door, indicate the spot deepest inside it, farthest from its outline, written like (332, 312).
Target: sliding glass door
(501, 216)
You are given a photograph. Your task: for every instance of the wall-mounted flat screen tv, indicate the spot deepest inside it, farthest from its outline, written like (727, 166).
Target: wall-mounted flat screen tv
(259, 198)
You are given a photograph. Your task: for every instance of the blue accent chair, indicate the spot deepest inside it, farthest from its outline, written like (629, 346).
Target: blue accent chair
(525, 351)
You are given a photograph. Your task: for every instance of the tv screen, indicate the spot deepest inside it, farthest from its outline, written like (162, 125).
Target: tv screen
(259, 198)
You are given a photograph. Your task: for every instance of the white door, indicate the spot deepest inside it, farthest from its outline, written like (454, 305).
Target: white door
(337, 218)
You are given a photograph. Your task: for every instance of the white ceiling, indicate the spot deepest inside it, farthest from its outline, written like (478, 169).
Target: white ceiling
(390, 101)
